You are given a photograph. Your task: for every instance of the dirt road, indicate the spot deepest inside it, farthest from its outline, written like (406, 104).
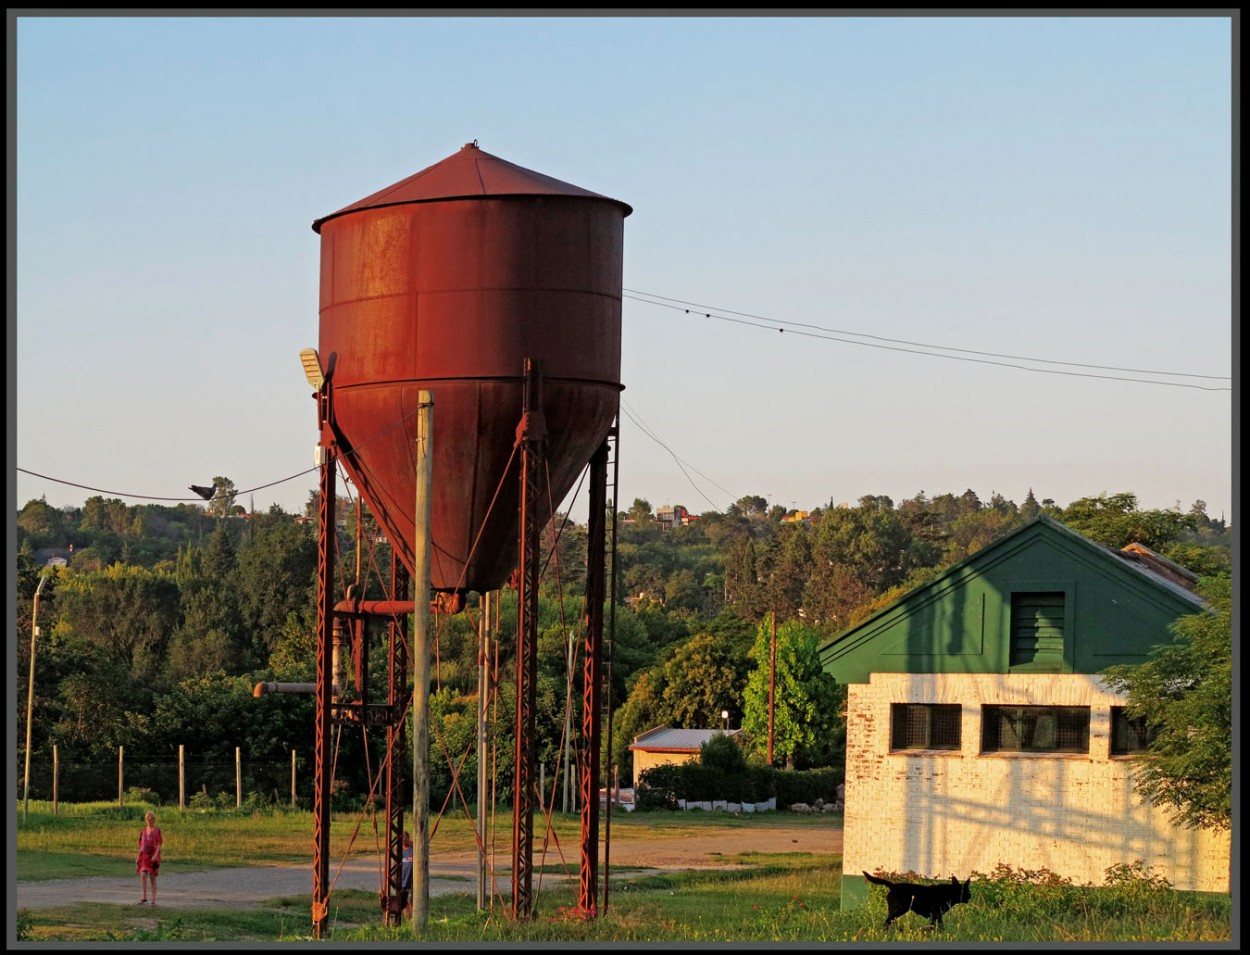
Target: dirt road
(712, 847)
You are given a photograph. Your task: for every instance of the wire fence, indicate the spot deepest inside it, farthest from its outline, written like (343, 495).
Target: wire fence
(184, 780)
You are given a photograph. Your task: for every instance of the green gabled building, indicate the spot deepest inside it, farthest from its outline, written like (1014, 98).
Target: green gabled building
(979, 730)
(1044, 599)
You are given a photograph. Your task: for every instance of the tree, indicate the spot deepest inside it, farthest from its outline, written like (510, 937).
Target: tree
(1115, 521)
(129, 612)
(786, 569)
(224, 493)
(220, 559)
(89, 713)
(40, 520)
(704, 677)
(209, 636)
(640, 511)
(743, 588)
(807, 702)
(276, 575)
(1184, 692)
(642, 710)
(111, 514)
(748, 505)
(871, 542)
(1030, 508)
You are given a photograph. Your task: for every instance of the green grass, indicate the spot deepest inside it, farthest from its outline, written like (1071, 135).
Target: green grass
(101, 838)
(787, 897)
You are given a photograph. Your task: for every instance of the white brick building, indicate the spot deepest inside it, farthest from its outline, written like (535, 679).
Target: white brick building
(979, 731)
(954, 812)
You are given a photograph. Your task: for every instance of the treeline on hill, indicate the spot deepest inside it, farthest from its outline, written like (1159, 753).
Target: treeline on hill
(162, 619)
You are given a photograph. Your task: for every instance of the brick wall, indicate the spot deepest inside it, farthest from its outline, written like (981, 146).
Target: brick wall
(644, 760)
(953, 813)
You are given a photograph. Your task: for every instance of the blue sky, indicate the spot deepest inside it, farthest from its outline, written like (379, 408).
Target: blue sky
(925, 204)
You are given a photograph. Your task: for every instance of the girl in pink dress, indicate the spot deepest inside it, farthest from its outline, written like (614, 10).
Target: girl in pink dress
(149, 861)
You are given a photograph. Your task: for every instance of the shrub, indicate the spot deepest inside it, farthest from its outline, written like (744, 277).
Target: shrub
(142, 795)
(201, 801)
(701, 783)
(806, 785)
(256, 803)
(1026, 893)
(657, 788)
(758, 784)
(722, 753)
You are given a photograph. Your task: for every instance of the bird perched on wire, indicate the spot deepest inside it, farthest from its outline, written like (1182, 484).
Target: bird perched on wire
(204, 492)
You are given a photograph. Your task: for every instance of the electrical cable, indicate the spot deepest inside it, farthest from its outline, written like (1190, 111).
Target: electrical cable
(773, 325)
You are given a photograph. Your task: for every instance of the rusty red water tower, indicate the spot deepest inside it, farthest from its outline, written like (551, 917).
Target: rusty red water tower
(493, 293)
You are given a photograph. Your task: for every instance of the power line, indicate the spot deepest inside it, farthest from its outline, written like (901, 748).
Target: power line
(682, 465)
(763, 322)
(152, 497)
(755, 321)
(259, 487)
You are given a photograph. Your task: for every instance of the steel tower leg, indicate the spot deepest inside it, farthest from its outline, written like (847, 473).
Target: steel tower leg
(395, 746)
(592, 679)
(531, 433)
(324, 683)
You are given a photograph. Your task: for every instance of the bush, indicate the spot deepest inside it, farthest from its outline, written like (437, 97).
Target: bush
(142, 795)
(256, 803)
(806, 786)
(662, 786)
(657, 788)
(759, 785)
(722, 753)
(201, 801)
(702, 783)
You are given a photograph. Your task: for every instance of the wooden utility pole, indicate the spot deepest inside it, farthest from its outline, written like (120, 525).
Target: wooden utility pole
(30, 693)
(483, 697)
(421, 666)
(772, 684)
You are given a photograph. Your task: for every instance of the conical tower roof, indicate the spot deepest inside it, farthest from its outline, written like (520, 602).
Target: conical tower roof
(469, 173)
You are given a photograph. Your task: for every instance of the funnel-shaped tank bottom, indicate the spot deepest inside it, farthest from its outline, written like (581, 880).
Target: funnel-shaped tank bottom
(475, 486)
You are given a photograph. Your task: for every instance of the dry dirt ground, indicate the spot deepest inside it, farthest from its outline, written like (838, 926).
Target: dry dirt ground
(712, 847)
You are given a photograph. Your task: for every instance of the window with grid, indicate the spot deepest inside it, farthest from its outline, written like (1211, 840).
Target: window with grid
(924, 725)
(1037, 631)
(1129, 734)
(1035, 729)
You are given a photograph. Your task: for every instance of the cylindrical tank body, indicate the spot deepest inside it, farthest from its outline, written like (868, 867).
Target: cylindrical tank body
(448, 281)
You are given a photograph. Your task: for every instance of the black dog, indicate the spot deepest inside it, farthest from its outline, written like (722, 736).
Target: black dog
(931, 901)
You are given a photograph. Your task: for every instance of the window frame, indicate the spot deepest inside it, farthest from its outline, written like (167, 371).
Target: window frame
(1122, 723)
(992, 715)
(901, 736)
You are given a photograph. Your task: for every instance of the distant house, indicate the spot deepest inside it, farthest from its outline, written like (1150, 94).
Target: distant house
(979, 731)
(673, 516)
(666, 746)
(53, 556)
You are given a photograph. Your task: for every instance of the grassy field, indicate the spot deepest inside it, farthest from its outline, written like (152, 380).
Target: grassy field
(792, 897)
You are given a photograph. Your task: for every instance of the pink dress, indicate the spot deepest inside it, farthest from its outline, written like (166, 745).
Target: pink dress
(149, 851)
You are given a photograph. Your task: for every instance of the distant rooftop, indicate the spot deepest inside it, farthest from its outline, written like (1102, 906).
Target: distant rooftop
(666, 739)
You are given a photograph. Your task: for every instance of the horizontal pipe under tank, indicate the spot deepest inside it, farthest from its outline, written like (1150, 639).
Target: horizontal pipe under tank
(262, 688)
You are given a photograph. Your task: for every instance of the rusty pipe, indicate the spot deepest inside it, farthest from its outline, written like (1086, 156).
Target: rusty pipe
(270, 687)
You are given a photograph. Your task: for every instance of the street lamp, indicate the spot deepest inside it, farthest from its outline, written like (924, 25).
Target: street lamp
(312, 367)
(30, 695)
(724, 715)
